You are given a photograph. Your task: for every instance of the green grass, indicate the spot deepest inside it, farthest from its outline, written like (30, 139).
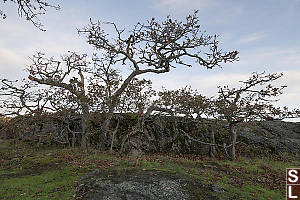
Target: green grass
(251, 192)
(31, 172)
(48, 185)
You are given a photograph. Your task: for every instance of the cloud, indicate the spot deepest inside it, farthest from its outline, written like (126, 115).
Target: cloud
(291, 95)
(205, 82)
(9, 57)
(253, 37)
(270, 58)
(22, 40)
(11, 63)
(181, 6)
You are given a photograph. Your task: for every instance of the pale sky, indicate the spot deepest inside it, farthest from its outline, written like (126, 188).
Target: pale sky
(265, 32)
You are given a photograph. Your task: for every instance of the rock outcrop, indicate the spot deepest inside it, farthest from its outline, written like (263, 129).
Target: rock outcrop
(279, 136)
(140, 185)
(158, 134)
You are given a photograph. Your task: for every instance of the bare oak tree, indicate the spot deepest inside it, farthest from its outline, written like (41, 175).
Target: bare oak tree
(194, 107)
(184, 101)
(68, 76)
(155, 47)
(250, 102)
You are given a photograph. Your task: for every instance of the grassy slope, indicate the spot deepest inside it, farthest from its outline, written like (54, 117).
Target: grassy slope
(28, 172)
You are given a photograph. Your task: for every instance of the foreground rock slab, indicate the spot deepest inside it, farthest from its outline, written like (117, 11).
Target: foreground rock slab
(138, 184)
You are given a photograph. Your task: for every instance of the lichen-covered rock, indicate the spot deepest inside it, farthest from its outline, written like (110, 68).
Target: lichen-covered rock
(277, 135)
(138, 185)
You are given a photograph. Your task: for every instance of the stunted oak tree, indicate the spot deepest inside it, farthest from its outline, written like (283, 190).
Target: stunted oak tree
(185, 101)
(25, 102)
(155, 47)
(31, 10)
(192, 106)
(250, 102)
(67, 76)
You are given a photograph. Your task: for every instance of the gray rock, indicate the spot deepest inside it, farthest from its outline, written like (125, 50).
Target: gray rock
(217, 188)
(277, 135)
(136, 185)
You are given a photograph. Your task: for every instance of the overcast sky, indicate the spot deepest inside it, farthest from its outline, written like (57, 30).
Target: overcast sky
(265, 32)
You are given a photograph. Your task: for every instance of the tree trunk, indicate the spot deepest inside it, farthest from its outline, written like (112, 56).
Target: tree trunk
(113, 136)
(213, 142)
(106, 128)
(233, 131)
(73, 139)
(85, 126)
